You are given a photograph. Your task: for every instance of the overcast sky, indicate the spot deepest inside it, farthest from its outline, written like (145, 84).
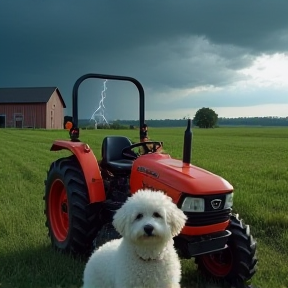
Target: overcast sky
(231, 56)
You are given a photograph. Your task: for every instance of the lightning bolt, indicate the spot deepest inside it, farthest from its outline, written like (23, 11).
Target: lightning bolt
(99, 112)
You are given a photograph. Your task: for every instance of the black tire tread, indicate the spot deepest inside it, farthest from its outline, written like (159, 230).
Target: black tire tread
(246, 246)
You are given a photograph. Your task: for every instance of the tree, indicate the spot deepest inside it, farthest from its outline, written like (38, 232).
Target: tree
(205, 118)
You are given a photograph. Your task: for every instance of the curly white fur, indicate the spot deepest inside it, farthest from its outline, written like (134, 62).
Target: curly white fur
(145, 256)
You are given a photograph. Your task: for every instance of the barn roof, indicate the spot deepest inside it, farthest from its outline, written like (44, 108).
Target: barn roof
(28, 95)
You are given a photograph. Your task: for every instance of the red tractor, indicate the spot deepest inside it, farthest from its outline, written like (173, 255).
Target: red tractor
(83, 193)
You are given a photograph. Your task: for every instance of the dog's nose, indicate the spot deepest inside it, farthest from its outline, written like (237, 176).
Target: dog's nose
(148, 229)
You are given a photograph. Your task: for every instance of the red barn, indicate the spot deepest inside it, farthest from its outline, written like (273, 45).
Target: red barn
(36, 107)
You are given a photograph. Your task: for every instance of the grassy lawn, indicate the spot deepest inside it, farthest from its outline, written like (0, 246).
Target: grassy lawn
(253, 160)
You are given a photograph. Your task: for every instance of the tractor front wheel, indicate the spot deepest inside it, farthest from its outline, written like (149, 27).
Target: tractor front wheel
(237, 263)
(66, 199)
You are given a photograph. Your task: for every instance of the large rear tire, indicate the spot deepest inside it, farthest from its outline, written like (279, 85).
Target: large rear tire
(237, 263)
(70, 226)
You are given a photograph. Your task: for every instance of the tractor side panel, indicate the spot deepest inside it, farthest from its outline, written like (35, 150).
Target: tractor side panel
(175, 176)
(89, 165)
(141, 181)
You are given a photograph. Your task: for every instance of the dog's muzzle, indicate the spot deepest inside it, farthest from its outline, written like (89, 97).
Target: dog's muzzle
(148, 229)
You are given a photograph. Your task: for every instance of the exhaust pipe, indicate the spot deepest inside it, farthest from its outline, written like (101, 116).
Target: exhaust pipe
(187, 148)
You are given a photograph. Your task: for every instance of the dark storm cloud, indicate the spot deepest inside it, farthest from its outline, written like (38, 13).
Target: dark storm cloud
(249, 24)
(166, 44)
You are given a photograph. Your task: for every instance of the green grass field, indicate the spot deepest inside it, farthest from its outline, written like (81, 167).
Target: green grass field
(253, 160)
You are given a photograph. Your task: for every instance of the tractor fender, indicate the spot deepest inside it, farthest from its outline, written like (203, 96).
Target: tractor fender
(89, 165)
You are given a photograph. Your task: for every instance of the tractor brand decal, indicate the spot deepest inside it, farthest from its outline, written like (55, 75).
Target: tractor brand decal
(216, 203)
(147, 171)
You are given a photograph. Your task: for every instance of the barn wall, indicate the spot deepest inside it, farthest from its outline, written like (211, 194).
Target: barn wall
(34, 114)
(54, 112)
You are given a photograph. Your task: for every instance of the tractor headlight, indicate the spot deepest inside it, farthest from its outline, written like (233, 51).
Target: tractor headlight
(228, 201)
(193, 205)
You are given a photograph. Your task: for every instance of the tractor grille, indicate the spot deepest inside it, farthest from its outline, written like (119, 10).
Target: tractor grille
(207, 217)
(210, 215)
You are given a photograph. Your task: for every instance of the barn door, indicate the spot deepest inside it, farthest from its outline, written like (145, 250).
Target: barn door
(18, 120)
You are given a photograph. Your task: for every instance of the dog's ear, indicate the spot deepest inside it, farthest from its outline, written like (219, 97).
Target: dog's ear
(120, 220)
(175, 218)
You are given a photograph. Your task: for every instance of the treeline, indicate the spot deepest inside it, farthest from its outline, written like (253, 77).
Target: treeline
(249, 121)
(157, 123)
(242, 121)
(253, 121)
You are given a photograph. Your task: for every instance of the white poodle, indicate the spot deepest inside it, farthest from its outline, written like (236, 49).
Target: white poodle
(145, 255)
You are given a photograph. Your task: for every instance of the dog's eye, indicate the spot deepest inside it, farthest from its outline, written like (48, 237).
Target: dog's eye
(139, 216)
(157, 215)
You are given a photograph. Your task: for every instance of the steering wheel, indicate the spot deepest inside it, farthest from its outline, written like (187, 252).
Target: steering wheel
(147, 148)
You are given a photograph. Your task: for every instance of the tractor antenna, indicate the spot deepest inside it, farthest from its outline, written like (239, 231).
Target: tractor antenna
(187, 148)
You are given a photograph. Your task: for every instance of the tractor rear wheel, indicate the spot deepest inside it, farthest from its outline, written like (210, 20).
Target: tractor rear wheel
(70, 226)
(237, 263)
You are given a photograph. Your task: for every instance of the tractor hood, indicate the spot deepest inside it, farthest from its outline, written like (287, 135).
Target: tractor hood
(160, 171)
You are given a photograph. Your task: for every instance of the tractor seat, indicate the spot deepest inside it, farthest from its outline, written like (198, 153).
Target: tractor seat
(112, 158)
